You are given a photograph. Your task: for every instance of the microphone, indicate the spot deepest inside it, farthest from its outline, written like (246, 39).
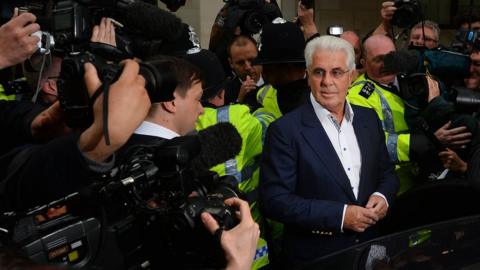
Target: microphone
(219, 143)
(207, 148)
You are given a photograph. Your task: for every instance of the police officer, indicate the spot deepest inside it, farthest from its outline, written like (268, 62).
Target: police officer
(281, 54)
(245, 166)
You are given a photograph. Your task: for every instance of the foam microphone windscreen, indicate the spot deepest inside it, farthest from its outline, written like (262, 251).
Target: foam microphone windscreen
(219, 143)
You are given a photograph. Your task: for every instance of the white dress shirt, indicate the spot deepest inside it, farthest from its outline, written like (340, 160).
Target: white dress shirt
(344, 141)
(152, 129)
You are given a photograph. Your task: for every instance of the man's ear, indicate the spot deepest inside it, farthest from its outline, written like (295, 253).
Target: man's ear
(169, 106)
(48, 89)
(230, 62)
(221, 94)
(362, 61)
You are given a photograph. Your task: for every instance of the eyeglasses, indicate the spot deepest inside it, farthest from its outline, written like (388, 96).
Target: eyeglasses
(426, 39)
(335, 73)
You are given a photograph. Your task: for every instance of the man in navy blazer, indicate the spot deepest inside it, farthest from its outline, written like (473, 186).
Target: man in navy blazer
(326, 173)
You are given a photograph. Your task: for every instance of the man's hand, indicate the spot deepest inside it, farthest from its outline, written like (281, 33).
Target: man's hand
(387, 11)
(452, 161)
(378, 205)
(305, 16)
(433, 88)
(247, 86)
(104, 32)
(358, 218)
(128, 106)
(454, 138)
(16, 40)
(240, 242)
(49, 123)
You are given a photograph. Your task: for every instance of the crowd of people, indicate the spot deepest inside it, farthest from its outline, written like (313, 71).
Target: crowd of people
(329, 138)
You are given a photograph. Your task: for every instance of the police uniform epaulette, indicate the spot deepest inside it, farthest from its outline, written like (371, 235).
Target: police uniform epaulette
(367, 90)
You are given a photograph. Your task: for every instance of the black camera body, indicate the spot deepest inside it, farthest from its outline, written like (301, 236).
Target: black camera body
(250, 15)
(74, 97)
(144, 217)
(408, 13)
(68, 23)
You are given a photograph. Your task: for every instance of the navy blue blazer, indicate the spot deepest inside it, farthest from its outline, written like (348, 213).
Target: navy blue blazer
(304, 186)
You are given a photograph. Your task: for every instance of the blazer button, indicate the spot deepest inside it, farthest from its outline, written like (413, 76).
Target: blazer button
(357, 240)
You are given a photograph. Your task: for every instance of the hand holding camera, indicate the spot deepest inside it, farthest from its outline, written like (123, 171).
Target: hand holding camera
(240, 242)
(387, 11)
(16, 40)
(128, 97)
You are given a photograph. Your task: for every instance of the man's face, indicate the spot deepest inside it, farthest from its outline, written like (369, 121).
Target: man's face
(430, 40)
(241, 58)
(189, 108)
(475, 63)
(475, 26)
(329, 79)
(353, 39)
(373, 61)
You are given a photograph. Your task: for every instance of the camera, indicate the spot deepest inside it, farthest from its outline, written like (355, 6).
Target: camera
(250, 15)
(73, 95)
(408, 13)
(146, 216)
(64, 24)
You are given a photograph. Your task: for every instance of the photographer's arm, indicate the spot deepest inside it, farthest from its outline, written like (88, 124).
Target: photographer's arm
(387, 12)
(240, 242)
(452, 161)
(128, 106)
(16, 40)
(455, 138)
(305, 16)
(64, 165)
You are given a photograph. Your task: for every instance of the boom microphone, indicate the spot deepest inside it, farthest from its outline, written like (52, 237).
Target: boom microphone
(219, 143)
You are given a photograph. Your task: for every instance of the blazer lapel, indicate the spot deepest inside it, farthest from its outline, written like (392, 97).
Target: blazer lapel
(317, 139)
(361, 132)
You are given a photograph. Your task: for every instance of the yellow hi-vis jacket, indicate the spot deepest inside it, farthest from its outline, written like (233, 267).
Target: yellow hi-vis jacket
(245, 166)
(390, 109)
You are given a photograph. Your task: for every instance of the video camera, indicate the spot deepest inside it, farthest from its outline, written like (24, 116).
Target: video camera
(64, 24)
(465, 38)
(147, 216)
(250, 15)
(411, 66)
(408, 13)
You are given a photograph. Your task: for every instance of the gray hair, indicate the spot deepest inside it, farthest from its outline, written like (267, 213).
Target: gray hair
(330, 43)
(429, 24)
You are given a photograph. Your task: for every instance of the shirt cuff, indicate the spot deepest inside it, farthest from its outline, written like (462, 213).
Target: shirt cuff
(99, 167)
(343, 217)
(381, 195)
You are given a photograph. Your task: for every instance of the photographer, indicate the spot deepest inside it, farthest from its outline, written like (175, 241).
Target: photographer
(245, 166)
(42, 173)
(422, 34)
(379, 90)
(239, 17)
